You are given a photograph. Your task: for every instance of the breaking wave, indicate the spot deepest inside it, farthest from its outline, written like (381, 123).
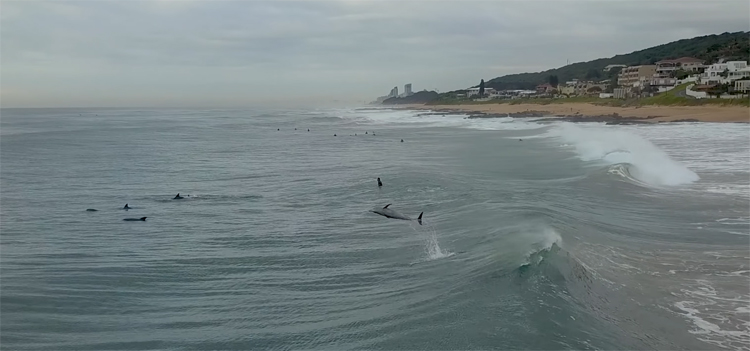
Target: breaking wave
(645, 162)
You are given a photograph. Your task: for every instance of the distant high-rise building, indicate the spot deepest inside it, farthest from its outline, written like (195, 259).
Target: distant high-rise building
(394, 92)
(407, 89)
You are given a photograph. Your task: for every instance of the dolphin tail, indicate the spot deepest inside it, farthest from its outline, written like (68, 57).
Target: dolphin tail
(144, 218)
(419, 219)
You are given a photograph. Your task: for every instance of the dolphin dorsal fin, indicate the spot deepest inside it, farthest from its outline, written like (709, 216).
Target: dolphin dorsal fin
(419, 219)
(143, 218)
(386, 206)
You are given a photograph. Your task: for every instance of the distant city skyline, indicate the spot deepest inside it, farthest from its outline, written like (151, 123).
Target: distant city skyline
(239, 54)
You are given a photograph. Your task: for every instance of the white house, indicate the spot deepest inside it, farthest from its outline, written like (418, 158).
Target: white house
(742, 85)
(713, 74)
(609, 67)
(475, 91)
(662, 84)
(739, 74)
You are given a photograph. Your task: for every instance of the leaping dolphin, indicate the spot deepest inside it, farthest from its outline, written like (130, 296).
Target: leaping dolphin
(387, 212)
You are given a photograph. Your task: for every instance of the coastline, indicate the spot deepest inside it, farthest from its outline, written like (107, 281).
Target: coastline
(585, 112)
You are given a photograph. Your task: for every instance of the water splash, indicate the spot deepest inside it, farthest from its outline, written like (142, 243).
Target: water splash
(431, 245)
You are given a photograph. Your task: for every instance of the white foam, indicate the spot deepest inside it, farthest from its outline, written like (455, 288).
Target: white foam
(422, 118)
(714, 317)
(648, 163)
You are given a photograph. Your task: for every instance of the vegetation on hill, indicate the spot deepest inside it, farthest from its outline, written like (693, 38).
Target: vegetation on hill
(420, 97)
(729, 46)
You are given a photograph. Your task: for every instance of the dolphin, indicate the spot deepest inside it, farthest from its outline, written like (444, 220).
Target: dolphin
(135, 219)
(91, 209)
(126, 207)
(177, 197)
(387, 212)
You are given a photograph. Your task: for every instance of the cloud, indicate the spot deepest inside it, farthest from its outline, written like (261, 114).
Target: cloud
(204, 52)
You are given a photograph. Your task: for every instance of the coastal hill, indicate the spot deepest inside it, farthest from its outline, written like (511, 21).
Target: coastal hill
(729, 46)
(419, 97)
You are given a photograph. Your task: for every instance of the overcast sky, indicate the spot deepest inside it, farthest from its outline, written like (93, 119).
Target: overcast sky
(241, 53)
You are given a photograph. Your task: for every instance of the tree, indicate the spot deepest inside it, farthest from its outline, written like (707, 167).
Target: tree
(593, 74)
(679, 74)
(725, 73)
(614, 72)
(719, 89)
(481, 88)
(650, 89)
(553, 81)
(612, 84)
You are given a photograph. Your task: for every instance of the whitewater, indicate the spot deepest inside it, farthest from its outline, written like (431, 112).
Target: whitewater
(536, 235)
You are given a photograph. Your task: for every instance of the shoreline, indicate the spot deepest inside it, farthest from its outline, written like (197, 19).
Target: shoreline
(584, 112)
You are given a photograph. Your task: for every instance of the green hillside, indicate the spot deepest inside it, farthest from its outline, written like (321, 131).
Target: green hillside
(729, 46)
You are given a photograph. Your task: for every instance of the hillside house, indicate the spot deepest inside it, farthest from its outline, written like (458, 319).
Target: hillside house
(662, 84)
(475, 91)
(714, 74)
(545, 88)
(665, 68)
(742, 85)
(608, 68)
(632, 75)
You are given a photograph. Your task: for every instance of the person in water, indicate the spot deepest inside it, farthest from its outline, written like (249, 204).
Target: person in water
(379, 182)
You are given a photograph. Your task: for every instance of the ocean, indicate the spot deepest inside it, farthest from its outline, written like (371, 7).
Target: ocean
(539, 236)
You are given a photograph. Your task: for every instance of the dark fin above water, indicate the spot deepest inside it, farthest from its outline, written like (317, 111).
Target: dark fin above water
(419, 219)
(91, 209)
(386, 206)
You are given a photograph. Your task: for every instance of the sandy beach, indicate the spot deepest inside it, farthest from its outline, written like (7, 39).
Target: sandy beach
(653, 113)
